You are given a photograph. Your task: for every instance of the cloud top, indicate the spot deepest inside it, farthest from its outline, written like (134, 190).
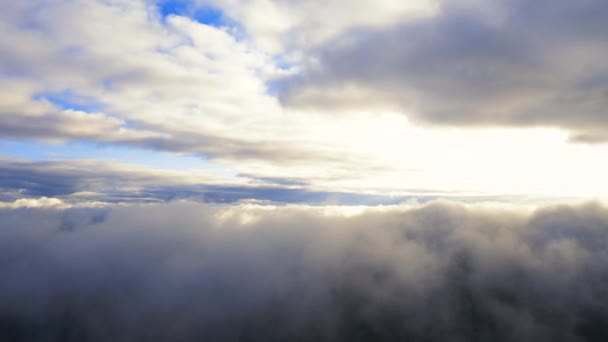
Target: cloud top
(187, 272)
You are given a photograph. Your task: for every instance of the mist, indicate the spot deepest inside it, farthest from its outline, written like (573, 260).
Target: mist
(196, 272)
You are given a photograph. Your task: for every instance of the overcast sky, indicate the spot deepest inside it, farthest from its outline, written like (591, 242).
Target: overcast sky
(376, 101)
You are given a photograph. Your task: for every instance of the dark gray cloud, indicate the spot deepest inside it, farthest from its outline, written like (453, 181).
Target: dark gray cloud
(499, 62)
(190, 272)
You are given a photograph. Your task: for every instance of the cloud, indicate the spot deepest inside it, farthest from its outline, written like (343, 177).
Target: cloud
(123, 73)
(186, 271)
(42, 202)
(155, 83)
(289, 26)
(513, 63)
(83, 182)
(24, 116)
(166, 84)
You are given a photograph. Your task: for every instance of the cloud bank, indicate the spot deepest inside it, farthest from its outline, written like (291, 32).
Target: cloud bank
(190, 272)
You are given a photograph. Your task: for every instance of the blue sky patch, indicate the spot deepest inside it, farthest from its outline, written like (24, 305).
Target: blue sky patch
(209, 16)
(205, 15)
(40, 151)
(68, 99)
(168, 7)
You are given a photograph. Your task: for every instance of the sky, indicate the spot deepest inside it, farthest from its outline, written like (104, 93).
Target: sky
(358, 103)
(283, 170)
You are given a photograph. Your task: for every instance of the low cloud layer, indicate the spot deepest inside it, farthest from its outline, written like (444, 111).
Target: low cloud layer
(500, 62)
(190, 272)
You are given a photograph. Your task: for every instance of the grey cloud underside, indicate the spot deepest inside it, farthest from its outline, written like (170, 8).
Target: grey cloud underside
(189, 272)
(519, 63)
(57, 126)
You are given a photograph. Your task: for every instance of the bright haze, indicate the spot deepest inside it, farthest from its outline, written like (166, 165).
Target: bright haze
(282, 170)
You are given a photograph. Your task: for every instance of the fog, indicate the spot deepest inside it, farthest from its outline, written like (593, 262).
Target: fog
(194, 272)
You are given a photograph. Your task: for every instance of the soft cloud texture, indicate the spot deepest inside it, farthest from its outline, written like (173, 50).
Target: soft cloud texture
(165, 84)
(499, 62)
(287, 26)
(42, 202)
(186, 272)
(160, 84)
(127, 75)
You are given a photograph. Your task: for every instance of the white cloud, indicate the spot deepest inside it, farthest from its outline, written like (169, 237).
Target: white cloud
(280, 26)
(42, 202)
(52, 203)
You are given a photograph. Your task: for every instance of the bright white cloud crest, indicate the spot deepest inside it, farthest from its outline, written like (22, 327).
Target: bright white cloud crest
(282, 25)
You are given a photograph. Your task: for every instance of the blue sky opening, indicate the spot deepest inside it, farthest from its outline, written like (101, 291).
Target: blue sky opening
(42, 151)
(68, 99)
(205, 15)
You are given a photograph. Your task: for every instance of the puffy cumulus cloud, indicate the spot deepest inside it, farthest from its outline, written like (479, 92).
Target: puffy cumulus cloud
(158, 83)
(46, 202)
(186, 272)
(42, 202)
(117, 72)
(516, 63)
